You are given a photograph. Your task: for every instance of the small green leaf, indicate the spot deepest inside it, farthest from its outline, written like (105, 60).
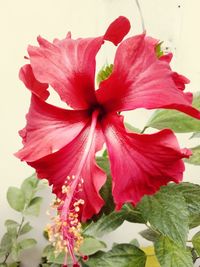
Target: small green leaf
(158, 50)
(170, 254)
(150, 235)
(195, 158)
(104, 73)
(16, 198)
(91, 245)
(29, 187)
(49, 253)
(167, 213)
(196, 242)
(25, 228)
(135, 242)
(27, 243)
(106, 190)
(12, 227)
(15, 251)
(3, 265)
(6, 243)
(122, 255)
(2, 252)
(34, 206)
(175, 120)
(132, 128)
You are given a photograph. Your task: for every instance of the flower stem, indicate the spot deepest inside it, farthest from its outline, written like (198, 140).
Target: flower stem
(141, 15)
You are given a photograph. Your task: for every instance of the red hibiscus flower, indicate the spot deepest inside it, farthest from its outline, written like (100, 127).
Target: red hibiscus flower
(61, 143)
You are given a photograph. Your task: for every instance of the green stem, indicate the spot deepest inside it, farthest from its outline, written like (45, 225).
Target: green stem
(20, 226)
(6, 257)
(144, 129)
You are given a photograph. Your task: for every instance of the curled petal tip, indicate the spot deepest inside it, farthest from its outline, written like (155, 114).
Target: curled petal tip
(117, 30)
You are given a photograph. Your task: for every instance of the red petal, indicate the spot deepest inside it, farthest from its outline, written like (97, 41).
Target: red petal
(49, 128)
(66, 162)
(117, 30)
(141, 80)
(180, 80)
(27, 77)
(140, 164)
(69, 65)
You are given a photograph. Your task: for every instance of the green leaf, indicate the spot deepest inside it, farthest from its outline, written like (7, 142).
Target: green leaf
(14, 264)
(175, 120)
(104, 73)
(150, 235)
(12, 227)
(16, 198)
(6, 243)
(132, 214)
(109, 223)
(158, 50)
(27, 243)
(169, 254)
(167, 213)
(91, 245)
(29, 187)
(195, 158)
(25, 228)
(122, 255)
(106, 190)
(191, 194)
(132, 128)
(34, 206)
(196, 242)
(15, 251)
(135, 242)
(2, 252)
(194, 220)
(49, 253)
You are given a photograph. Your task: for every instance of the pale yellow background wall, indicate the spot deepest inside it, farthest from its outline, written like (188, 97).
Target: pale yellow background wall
(20, 23)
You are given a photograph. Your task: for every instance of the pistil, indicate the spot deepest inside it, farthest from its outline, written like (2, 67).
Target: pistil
(65, 230)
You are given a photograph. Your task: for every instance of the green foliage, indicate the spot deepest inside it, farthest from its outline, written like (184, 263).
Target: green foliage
(175, 120)
(150, 234)
(132, 128)
(167, 213)
(25, 228)
(104, 73)
(121, 255)
(191, 194)
(33, 208)
(196, 242)
(25, 201)
(16, 198)
(108, 223)
(106, 190)
(91, 245)
(195, 158)
(170, 254)
(158, 50)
